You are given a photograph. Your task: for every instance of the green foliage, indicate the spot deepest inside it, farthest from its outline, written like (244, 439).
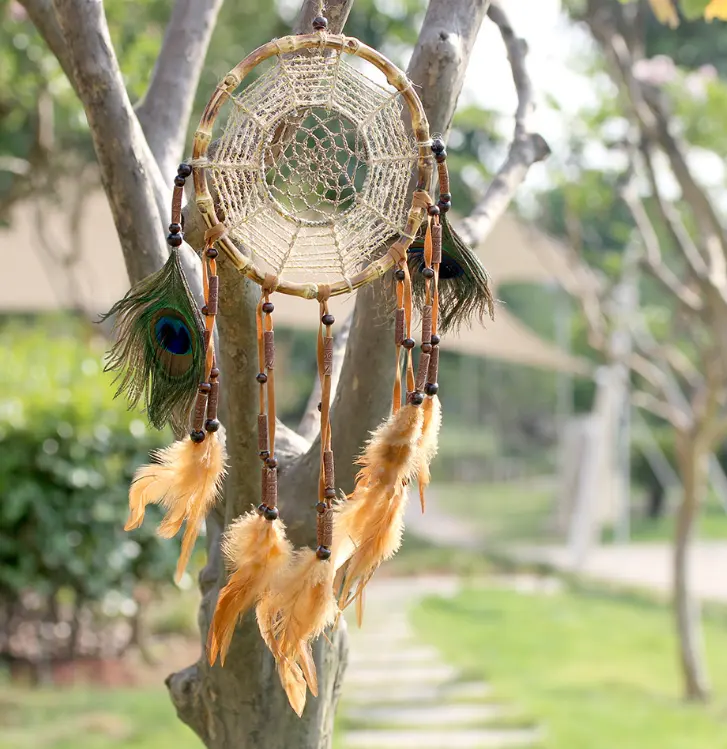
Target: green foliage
(67, 455)
(594, 670)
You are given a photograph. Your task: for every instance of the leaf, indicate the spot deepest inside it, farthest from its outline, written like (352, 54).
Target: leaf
(716, 9)
(666, 12)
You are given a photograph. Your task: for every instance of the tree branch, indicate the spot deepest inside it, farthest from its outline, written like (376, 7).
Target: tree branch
(526, 149)
(126, 163)
(663, 410)
(335, 11)
(165, 110)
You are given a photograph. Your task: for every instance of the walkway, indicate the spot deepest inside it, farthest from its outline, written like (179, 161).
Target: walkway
(400, 694)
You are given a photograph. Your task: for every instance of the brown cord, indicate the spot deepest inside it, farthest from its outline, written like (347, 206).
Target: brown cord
(324, 521)
(399, 335)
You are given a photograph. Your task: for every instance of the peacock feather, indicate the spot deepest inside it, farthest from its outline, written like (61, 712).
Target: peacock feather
(464, 284)
(159, 350)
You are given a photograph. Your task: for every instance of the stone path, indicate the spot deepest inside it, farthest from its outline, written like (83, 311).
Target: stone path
(400, 694)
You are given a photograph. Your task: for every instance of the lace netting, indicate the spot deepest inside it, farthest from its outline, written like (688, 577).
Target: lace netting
(312, 170)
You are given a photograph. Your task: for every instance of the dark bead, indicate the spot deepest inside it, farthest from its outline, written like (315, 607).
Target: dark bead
(196, 436)
(212, 425)
(444, 205)
(268, 307)
(179, 181)
(428, 272)
(321, 507)
(417, 398)
(446, 196)
(433, 210)
(205, 310)
(323, 553)
(174, 240)
(175, 228)
(271, 513)
(431, 388)
(408, 343)
(400, 274)
(329, 493)
(435, 340)
(205, 387)
(438, 145)
(184, 170)
(426, 348)
(214, 372)
(264, 454)
(320, 23)
(441, 157)
(271, 462)
(320, 405)
(212, 253)
(261, 509)
(328, 319)
(262, 378)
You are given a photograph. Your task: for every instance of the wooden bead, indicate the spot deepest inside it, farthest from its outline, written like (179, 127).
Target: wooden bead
(212, 252)
(437, 145)
(214, 373)
(329, 493)
(205, 387)
(261, 377)
(268, 307)
(271, 513)
(328, 319)
(174, 240)
(184, 170)
(323, 553)
(444, 205)
(428, 272)
(433, 210)
(211, 425)
(271, 462)
(417, 398)
(432, 388)
(197, 435)
(441, 157)
(264, 455)
(399, 274)
(175, 228)
(179, 181)
(435, 340)
(426, 348)
(408, 343)
(321, 507)
(320, 23)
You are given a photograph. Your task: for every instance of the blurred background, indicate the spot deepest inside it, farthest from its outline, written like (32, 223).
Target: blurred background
(548, 542)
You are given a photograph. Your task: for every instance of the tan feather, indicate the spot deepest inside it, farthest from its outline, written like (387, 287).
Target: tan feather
(428, 444)
(256, 550)
(296, 609)
(388, 461)
(186, 480)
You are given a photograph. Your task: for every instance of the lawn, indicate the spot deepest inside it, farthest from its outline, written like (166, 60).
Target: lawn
(91, 719)
(596, 671)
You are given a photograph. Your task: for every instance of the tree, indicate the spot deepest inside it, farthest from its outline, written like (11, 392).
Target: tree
(679, 363)
(137, 148)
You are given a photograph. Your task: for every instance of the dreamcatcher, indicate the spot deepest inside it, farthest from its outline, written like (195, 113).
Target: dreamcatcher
(310, 175)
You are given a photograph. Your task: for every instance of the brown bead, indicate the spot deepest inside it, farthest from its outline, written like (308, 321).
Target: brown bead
(408, 343)
(444, 205)
(329, 493)
(196, 436)
(214, 372)
(320, 23)
(328, 319)
(441, 157)
(184, 170)
(212, 252)
(174, 240)
(438, 146)
(432, 388)
(428, 272)
(205, 387)
(321, 507)
(175, 228)
(426, 348)
(271, 462)
(205, 310)
(261, 377)
(433, 210)
(268, 307)
(323, 553)
(435, 340)
(264, 454)
(445, 196)
(179, 181)
(261, 509)
(211, 425)
(399, 274)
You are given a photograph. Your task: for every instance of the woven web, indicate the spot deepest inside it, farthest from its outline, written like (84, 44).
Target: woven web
(312, 170)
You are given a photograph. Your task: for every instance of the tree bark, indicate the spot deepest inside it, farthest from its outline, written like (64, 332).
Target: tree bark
(693, 462)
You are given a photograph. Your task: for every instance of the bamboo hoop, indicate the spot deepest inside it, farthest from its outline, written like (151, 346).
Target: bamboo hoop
(425, 162)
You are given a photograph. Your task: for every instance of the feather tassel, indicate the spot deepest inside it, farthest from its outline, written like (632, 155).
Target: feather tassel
(368, 526)
(159, 354)
(464, 284)
(297, 609)
(428, 444)
(185, 480)
(256, 551)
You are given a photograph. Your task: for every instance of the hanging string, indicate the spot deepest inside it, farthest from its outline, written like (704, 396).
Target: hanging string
(326, 481)
(408, 342)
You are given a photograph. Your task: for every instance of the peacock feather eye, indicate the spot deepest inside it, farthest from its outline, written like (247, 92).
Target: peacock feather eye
(159, 352)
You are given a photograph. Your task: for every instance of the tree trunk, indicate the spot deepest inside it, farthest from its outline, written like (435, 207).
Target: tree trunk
(693, 462)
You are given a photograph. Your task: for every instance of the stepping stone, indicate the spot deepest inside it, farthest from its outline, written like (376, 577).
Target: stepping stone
(436, 715)
(434, 674)
(474, 739)
(406, 655)
(386, 694)
(467, 690)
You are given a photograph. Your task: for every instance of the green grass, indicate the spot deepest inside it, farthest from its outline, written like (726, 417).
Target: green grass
(596, 671)
(506, 511)
(91, 719)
